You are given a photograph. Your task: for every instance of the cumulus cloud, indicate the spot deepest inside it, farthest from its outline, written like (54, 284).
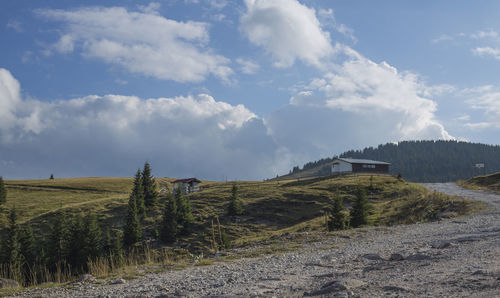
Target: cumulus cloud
(287, 30)
(141, 42)
(112, 134)
(361, 103)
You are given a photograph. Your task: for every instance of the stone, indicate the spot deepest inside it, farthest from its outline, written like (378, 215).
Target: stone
(118, 281)
(86, 278)
(441, 244)
(396, 257)
(418, 257)
(8, 283)
(373, 257)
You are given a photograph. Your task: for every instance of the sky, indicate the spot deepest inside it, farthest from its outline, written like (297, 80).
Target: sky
(238, 90)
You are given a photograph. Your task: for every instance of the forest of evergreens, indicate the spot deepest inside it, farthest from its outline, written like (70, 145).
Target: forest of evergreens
(426, 161)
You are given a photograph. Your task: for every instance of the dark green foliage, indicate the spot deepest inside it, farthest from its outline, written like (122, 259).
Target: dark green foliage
(58, 239)
(3, 192)
(185, 218)
(337, 219)
(28, 249)
(12, 248)
(149, 184)
(92, 237)
(235, 207)
(51, 177)
(107, 243)
(132, 231)
(428, 161)
(117, 248)
(75, 254)
(138, 195)
(360, 209)
(168, 229)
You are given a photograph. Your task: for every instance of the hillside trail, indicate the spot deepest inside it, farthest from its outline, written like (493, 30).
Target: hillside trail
(457, 257)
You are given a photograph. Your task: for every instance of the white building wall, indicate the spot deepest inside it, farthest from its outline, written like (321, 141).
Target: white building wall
(341, 166)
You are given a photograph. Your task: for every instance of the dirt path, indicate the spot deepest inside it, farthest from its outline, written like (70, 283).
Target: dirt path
(449, 258)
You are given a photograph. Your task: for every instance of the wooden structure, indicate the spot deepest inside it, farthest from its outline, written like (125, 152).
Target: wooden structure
(187, 185)
(344, 165)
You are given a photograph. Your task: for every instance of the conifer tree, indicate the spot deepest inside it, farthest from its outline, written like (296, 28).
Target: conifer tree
(3, 192)
(92, 235)
(168, 229)
(58, 239)
(12, 247)
(149, 184)
(117, 248)
(75, 255)
(184, 215)
(235, 207)
(107, 242)
(138, 195)
(132, 232)
(28, 249)
(337, 219)
(360, 209)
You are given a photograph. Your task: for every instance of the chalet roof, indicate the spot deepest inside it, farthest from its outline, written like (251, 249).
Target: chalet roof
(362, 161)
(187, 180)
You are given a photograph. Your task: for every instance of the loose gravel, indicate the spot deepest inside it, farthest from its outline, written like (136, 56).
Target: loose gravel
(457, 257)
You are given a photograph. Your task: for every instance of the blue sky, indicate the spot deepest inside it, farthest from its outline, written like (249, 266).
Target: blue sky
(237, 89)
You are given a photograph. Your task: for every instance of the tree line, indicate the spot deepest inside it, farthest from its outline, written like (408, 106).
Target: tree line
(425, 161)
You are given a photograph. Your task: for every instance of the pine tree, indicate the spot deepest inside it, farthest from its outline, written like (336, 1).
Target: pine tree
(184, 216)
(360, 209)
(235, 207)
(138, 195)
(3, 192)
(149, 184)
(92, 235)
(337, 219)
(75, 255)
(12, 248)
(58, 239)
(28, 249)
(168, 230)
(117, 248)
(132, 232)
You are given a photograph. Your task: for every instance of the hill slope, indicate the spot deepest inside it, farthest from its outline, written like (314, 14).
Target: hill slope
(488, 182)
(422, 161)
(271, 208)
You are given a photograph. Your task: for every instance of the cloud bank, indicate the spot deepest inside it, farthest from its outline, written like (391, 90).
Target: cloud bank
(363, 103)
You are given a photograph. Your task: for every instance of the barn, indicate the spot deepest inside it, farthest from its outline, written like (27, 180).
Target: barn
(350, 165)
(187, 185)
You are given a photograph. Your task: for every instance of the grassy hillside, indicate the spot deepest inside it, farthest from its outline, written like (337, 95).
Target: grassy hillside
(271, 208)
(488, 182)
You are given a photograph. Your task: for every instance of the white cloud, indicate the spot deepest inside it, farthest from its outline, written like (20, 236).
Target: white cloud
(142, 42)
(489, 103)
(113, 134)
(360, 104)
(287, 30)
(248, 66)
(487, 51)
(443, 37)
(485, 34)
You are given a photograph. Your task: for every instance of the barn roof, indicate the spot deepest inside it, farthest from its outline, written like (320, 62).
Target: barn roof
(363, 161)
(187, 180)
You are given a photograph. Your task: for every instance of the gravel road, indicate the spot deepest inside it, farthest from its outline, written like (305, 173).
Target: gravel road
(450, 258)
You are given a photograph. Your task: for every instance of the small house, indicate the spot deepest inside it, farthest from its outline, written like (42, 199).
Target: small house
(350, 165)
(187, 185)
